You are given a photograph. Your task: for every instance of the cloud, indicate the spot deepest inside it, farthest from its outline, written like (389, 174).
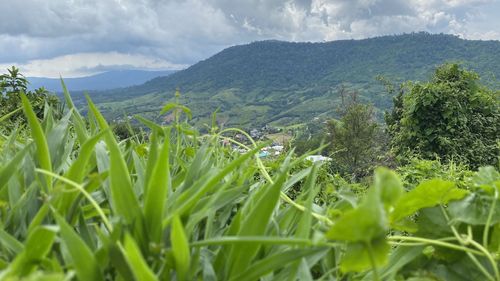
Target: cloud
(183, 32)
(78, 65)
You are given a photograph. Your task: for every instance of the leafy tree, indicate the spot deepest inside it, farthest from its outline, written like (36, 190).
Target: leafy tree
(451, 117)
(393, 118)
(124, 130)
(11, 84)
(353, 138)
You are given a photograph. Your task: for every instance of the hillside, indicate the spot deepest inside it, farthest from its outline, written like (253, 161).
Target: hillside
(284, 83)
(102, 81)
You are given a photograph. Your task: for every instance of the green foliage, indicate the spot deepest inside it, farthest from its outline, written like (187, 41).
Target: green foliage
(181, 206)
(12, 85)
(284, 83)
(452, 117)
(419, 170)
(125, 130)
(309, 137)
(354, 139)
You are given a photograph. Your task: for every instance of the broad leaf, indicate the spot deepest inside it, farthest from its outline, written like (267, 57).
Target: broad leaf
(427, 194)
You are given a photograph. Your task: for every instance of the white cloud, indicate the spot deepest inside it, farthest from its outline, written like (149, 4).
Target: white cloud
(77, 65)
(185, 31)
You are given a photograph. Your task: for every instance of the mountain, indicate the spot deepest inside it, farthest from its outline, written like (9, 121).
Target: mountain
(103, 81)
(285, 83)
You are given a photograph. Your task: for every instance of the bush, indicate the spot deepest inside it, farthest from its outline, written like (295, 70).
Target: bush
(354, 140)
(452, 118)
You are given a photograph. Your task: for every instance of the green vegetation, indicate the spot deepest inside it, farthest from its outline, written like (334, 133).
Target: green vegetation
(11, 84)
(283, 83)
(77, 203)
(354, 139)
(452, 117)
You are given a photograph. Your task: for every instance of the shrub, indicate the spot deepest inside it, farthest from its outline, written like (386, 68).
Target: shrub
(452, 118)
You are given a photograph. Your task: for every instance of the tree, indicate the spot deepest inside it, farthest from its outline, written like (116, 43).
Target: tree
(353, 138)
(13, 83)
(451, 117)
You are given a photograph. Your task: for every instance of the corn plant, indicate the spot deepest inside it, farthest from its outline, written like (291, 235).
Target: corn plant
(76, 204)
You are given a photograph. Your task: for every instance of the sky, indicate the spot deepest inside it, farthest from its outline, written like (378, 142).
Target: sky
(74, 38)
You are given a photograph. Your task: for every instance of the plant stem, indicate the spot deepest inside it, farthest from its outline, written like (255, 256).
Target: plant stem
(488, 220)
(84, 192)
(435, 242)
(471, 241)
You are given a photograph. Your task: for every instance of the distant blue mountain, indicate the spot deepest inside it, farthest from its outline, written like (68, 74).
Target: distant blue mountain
(103, 81)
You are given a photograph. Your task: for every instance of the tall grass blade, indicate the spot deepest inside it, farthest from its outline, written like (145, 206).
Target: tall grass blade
(255, 223)
(38, 135)
(180, 249)
(123, 199)
(136, 261)
(84, 261)
(10, 114)
(77, 171)
(272, 263)
(156, 193)
(10, 169)
(305, 223)
(78, 122)
(37, 246)
(10, 242)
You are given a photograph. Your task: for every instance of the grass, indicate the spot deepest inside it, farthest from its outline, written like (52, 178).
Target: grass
(77, 204)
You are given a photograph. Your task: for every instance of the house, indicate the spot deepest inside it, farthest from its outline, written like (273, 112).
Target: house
(318, 158)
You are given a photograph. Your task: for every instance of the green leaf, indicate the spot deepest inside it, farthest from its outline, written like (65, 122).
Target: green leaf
(78, 122)
(156, 192)
(272, 263)
(186, 111)
(124, 201)
(186, 203)
(120, 262)
(487, 179)
(8, 115)
(398, 258)
(427, 194)
(10, 169)
(10, 242)
(359, 256)
(255, 221)
(168, 107)
(474, 209)
(389, 186)
(432, 223)
(362, 224)
(305, 223)
(150, 124)
(175, 106)
(180, 249)
(39, 138)
(136, 261)
(77, 169)
(84, 260)
(37, 246)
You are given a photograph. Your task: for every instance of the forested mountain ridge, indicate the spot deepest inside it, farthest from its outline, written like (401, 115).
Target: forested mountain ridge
(286, 82)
